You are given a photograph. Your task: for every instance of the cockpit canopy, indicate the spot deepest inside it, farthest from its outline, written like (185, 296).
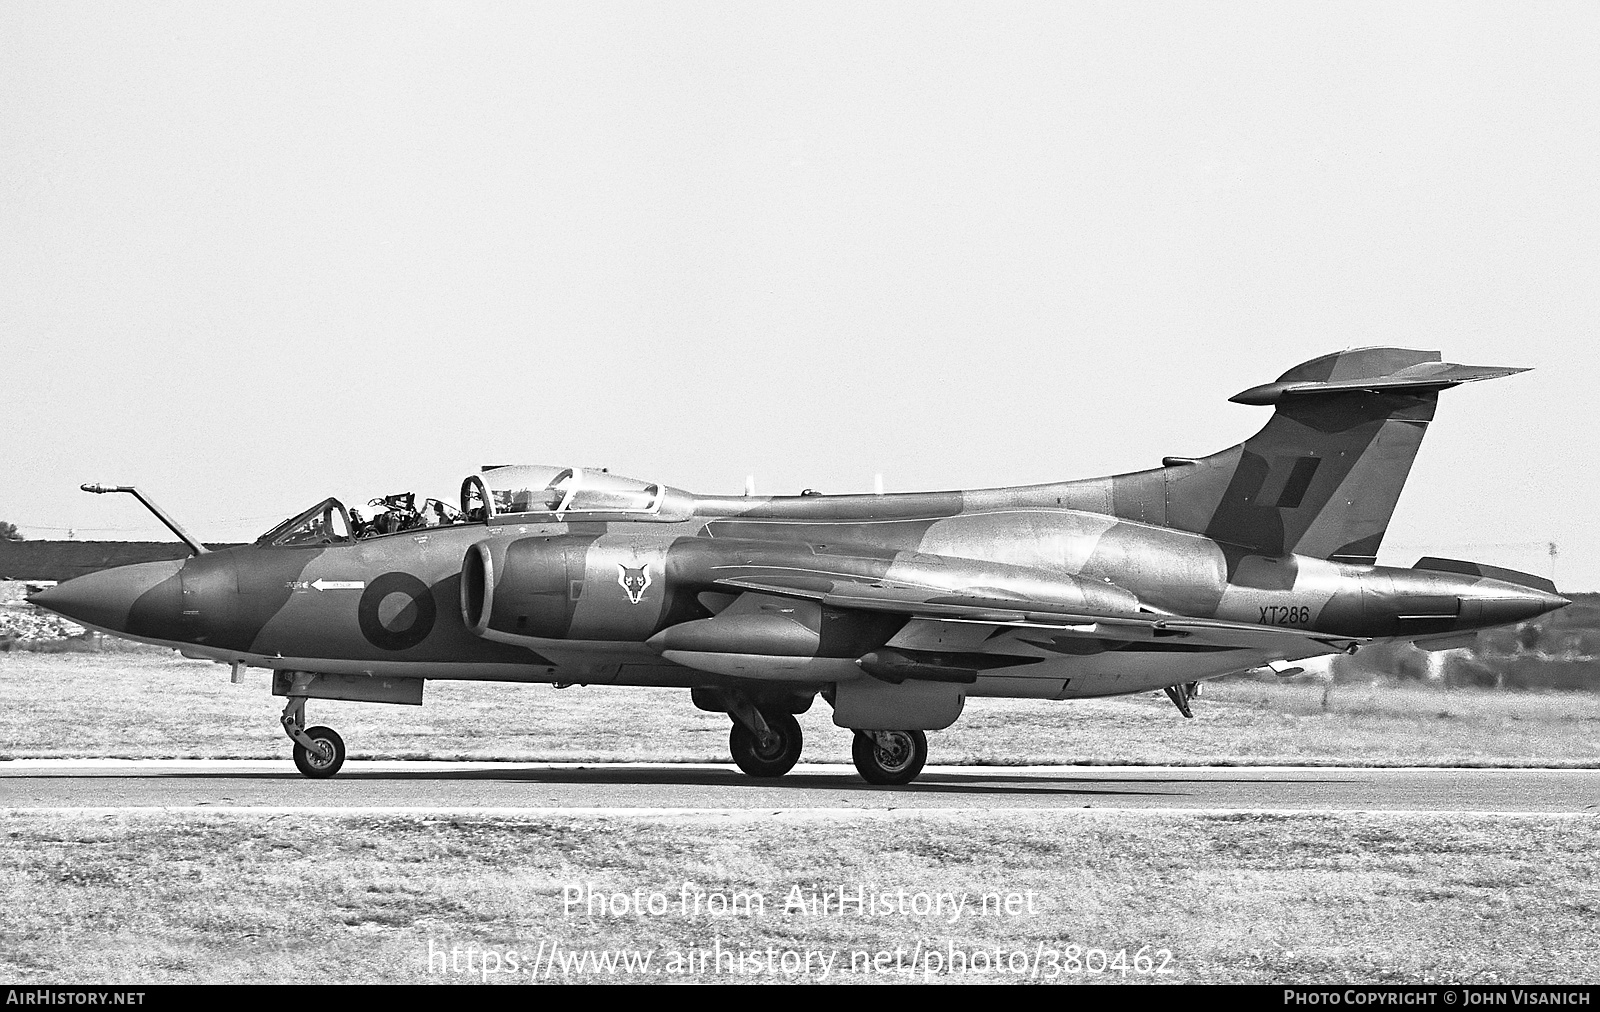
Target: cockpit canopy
(326, 523)
(519, 493)
(538, 492)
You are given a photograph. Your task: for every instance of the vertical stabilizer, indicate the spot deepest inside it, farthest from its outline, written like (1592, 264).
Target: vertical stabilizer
(1324, 475)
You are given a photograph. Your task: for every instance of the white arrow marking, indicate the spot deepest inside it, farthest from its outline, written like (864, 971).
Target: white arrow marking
(322, 584)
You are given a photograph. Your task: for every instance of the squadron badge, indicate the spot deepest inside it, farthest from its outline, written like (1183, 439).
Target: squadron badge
(634, 581)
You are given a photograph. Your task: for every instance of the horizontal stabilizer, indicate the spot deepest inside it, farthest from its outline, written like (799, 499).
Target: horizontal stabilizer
(1374, 369)
(1488, 572)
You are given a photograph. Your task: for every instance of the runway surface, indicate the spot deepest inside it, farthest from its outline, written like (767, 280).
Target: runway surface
(110, 783)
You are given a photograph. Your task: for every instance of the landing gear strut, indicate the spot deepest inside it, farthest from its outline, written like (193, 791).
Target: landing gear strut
(889, 757)
(318, 751)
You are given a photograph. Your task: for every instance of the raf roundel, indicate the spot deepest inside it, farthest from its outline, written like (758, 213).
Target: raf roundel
(397, 611)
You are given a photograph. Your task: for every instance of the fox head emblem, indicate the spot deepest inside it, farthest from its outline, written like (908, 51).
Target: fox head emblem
(634, 581)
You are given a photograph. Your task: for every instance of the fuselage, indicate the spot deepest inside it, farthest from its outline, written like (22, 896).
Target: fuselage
(556, 605)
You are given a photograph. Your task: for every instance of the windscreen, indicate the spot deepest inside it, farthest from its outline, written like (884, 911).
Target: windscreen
(326, 523)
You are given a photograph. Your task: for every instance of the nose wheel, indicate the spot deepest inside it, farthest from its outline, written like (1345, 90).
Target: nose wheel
(889, 758)
(318, 751)
(325, 755)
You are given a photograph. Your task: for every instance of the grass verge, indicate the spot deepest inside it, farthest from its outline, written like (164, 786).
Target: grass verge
(172, 897)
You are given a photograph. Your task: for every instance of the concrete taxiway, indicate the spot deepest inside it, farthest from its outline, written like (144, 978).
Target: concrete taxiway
(110, 783)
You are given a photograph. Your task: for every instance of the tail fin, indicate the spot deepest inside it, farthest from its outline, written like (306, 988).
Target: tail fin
(1324, 475)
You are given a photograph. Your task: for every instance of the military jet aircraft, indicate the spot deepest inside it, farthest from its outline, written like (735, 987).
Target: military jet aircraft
(893, 608)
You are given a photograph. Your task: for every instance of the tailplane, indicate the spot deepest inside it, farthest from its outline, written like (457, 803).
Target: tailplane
(1324, 475)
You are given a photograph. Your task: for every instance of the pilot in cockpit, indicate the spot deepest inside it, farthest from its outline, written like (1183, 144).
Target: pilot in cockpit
(433, 514)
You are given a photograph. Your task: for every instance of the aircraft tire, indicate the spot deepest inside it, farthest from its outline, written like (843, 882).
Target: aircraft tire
(894, 766)
(775, 762)
(315, 766)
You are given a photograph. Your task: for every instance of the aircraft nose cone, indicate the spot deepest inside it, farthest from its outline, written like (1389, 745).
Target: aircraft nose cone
(111, 598)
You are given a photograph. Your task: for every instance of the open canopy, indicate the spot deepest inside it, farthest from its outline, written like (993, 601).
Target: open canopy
(537, 490)
(516, 493)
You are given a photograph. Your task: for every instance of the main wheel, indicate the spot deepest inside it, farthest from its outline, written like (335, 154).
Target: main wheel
(326, 761)
(775, 760)
(898, 761)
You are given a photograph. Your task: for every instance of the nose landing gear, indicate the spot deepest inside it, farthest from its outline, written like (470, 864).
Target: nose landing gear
(318, 751)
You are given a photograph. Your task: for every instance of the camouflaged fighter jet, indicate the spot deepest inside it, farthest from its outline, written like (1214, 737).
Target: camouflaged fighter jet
(893, 608)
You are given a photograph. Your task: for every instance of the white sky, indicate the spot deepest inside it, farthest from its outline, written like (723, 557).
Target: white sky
(253, 255)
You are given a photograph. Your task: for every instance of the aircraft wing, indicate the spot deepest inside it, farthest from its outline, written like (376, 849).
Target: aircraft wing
(941, 606)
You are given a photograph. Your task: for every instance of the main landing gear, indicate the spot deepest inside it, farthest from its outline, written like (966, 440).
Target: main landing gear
(889, 758)
(766, 743)
(318, 751)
